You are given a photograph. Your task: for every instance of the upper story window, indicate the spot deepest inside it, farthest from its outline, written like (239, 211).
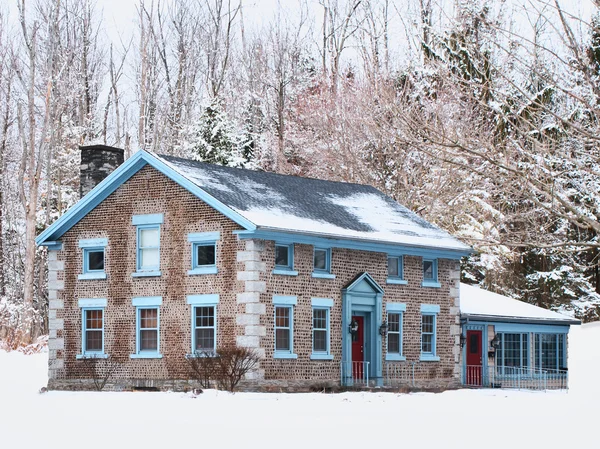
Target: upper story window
(395, 268)
(93, 258)
(204, 252)
(148, 244)
(284, 326)
(92, 328)
(322, 263)
(430, 273)
(147, 336)
(284, 259)
(429, 314)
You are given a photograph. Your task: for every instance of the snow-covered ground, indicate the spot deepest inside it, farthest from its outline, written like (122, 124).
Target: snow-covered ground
(454, 419)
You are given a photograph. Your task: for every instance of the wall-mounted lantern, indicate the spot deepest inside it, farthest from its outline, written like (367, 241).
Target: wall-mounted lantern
(463, 339)
(383, 329)
(495, 343)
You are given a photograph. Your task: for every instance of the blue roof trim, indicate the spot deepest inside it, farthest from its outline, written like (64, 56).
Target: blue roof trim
(115, 180)
(362, 245)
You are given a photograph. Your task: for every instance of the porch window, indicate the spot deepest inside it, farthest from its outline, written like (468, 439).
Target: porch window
(321, 308)
(204, 252)
(512, 354)
(284, 326)
(204, 332)
(395, 267)
(550, 351)
(284, 260)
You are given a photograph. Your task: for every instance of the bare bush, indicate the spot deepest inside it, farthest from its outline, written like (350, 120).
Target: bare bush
(100, 370)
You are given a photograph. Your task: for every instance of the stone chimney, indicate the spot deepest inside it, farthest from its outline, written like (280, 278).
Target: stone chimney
(97, 162)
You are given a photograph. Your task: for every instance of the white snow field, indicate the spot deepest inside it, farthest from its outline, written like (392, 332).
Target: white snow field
(453, 419)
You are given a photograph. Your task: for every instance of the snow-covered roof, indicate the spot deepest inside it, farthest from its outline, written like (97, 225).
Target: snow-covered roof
(295, 204)
(478, 303)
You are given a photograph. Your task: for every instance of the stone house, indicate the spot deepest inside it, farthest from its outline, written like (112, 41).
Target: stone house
(328, 282)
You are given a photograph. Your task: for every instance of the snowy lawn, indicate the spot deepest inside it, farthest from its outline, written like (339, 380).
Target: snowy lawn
(454, 419)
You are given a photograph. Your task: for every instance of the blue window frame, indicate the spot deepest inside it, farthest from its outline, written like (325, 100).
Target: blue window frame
(284, 326)
(204, 252)
(395, 322)
(147, 329)
(550, 352)
(204, 324)
(148, 244)
(429, 314)
(395, 269)
(321, 311)
(430, 273)
(322, 263)
(92, 328)
(93, 258)
(284, 259)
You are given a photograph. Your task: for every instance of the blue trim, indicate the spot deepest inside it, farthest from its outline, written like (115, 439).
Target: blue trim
(279, 269)
(279, 300)
(147, 301)
(393, 357)
(321, 302)
(320, 275)
(285, 272)
(536, 328)
(430, 308)
(84, 309)
(146, 355)
(147, 219)
(321, 356)
(369, 279)
(91, 355)
(396, 281)
(92, 302)
(431, 284)
(425, 357)
(395, 307)
(113, 181)
(399, 278)
(363, 245)
(203, 300)
(284, 355)
(153, 268)
(146, 274)
(209, 269)
(53, 246)
(93, 243)
(92, 275)
(199, 237)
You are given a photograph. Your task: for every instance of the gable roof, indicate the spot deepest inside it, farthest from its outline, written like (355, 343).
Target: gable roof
(477, 303)
(280, 203)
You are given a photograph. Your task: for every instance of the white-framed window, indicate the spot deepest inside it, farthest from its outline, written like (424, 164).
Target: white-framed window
(430, 273)
(147, 329)
(204, 324)
(395, 322)
(512, 355)
(321, 312)
(148, 244)
(284, 259)
(92, 327)
(93, 258)
(429, 314)
(204, 252)
(283, 308)
(395, 269)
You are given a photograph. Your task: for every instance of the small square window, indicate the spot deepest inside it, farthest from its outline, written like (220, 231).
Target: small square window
(322, 260)
(205, 255)
(429, 270)
(93, 260)
(284, 257)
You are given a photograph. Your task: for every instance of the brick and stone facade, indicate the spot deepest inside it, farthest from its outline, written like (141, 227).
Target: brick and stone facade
(245, 283)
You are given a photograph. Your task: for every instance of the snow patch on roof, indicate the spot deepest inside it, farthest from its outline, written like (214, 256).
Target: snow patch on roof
(476, 301)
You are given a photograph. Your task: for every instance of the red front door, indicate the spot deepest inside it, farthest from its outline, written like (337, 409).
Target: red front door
(358, 348)
(474, 358)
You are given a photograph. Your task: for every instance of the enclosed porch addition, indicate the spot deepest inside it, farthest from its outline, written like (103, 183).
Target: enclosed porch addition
(507, 343)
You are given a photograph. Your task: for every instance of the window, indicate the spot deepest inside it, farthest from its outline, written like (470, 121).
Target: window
(430, 273)
(204, 252)
(92, 328)
(322, 263)
(147, 327)
(93, 258)
(321, 308)
(204, 324)
(429, 332)
(395, 314)
(395, 266)
(513, 353)
(284, 326)
(284, 260)
(550, 352)
(148, 244)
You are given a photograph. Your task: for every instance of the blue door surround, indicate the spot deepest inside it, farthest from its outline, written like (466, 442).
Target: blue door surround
(363, 296)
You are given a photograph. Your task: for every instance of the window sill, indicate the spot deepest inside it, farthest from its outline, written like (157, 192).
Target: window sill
(145, 274)
(323, 275)
(91, 355)
(317, 356)
(201, 355)
(431, 284)
(284, 355)
(396, 281)
(395, 358)
(429, 358)
(90, 276)
(285, 272)
(146, 355)
(203, 270)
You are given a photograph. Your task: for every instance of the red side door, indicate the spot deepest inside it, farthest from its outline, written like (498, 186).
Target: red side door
(358, 349)
(474, 358)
